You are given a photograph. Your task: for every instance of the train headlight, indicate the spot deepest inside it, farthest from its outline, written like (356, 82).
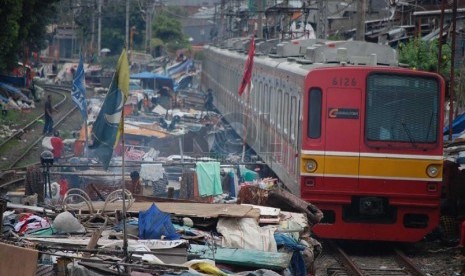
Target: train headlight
(432, 170)
(310, 165)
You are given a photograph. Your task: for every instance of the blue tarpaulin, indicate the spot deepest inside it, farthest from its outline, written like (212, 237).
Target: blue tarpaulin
(153, 224)
(12, 89)
(154, 81)
(297, 265)
(19, 81)
(458, 126)
(180, 67)
(3, 99)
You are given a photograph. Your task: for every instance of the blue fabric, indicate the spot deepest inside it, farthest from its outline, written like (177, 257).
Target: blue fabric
(178, 68)
(19, 81)
(297, 264)
(78, 93)
(12, 89)
(48, 126)
(458, 125)
(159, 79)
(153, 224)
(232, 185)
(3, 99)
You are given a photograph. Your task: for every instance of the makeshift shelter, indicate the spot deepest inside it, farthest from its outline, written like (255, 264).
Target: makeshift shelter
(458, 127)
(12, 90)
(154, 81)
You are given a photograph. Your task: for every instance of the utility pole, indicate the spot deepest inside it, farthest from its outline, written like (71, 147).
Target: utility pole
(452, 67)
(99, 36)
(260, 8)
(361, 15)
(149, 28)
(321, 27)
(127, 25)
(221, 35)
(92, 37)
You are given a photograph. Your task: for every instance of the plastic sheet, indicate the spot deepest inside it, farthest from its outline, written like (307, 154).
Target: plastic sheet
(154, 224)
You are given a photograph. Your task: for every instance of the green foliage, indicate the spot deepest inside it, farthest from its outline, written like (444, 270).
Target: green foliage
(10, 14)
(199, 55)
(114, 22)
(336, 36)
(423, 55)
(109, 62)
(166, 28)
(22, 25)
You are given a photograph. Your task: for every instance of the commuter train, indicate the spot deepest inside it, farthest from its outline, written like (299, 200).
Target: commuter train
(343, 127)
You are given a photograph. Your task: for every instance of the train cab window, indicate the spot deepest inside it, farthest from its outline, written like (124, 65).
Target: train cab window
(314, 113)
(402, 109)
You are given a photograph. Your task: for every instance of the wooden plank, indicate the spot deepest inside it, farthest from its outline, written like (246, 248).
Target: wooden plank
(266, 211)
(17, 261)
(244, 257)
(203, 210)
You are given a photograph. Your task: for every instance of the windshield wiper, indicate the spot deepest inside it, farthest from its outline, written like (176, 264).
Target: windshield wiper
(409, 135)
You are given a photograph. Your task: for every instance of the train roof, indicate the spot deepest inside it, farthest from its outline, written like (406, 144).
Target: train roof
(310, 53)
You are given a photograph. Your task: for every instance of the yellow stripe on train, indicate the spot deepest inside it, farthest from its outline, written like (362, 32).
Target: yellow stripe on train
(372, 167)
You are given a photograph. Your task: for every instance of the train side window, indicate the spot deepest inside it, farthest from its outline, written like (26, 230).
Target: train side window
(272, 99)
(293, 117)
(314, 113)
(279, 103)
(267, 101)
(286, 113)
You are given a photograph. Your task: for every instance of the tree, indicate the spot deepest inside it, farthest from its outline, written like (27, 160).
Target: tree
(22, 28)
(169, 30)
(423, 55)
(114, 25)
(10, 14)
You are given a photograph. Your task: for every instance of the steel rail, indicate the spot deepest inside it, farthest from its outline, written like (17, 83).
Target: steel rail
(403, 264)
(410, 266)
(33, 144)
(33, 122)
(345, 260)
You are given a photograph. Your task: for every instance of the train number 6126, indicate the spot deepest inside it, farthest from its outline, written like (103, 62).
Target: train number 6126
(345, 82)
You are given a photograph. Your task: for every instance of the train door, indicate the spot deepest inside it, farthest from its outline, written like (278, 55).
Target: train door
(342, 138)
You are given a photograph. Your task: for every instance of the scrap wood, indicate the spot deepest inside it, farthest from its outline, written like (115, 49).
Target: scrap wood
(147, 267)
(290, 202)
(269, 220)
(15, 260)
(204, 210)
(106, 243)
(95, 237)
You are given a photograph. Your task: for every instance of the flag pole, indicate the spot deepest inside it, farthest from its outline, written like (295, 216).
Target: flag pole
(86, 141)
(247, 81)
(246, 119)
(123, 186)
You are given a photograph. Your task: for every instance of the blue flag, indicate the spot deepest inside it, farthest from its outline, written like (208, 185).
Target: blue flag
(78, 94)
(109, 124)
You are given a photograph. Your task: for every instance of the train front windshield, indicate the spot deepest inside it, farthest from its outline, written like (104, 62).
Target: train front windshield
(402, 109)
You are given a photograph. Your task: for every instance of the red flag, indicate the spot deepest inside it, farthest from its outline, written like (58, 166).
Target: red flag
(248, 68)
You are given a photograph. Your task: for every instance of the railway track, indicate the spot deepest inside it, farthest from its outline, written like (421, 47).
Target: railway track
(360, 259)
(23, 147)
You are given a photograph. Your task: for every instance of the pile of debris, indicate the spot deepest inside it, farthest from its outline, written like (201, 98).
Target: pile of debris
(122, 235)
